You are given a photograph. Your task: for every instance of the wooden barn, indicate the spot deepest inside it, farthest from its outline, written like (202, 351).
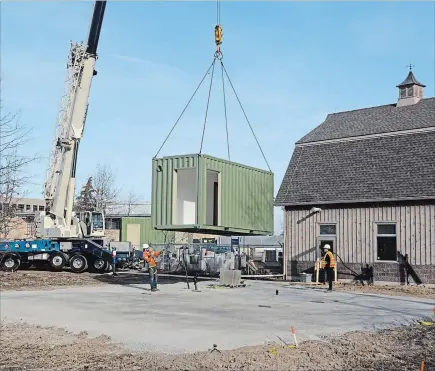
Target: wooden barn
(364, 182)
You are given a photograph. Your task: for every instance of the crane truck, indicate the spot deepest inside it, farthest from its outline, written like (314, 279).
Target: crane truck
(64, 238)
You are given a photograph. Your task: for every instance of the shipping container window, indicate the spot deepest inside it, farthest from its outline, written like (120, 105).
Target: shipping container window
(41, 208)
(186, 196)
(328, 229)
(35, 207)
(386, 242)
(27, 207)
(20, 207)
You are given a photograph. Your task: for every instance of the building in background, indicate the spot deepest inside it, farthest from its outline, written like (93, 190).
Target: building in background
(23, 224)
(117, 211)
(364, 182)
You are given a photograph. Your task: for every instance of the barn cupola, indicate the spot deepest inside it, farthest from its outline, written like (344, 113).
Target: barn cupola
(410, 90)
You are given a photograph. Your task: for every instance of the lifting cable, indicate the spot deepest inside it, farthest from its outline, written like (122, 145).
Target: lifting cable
(217, 56)
(184, 110)
(225, 111)
(208, 104)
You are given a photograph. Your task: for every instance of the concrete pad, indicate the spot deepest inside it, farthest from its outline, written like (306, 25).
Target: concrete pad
(177, 320)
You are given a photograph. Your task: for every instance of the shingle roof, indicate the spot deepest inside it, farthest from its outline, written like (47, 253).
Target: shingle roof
(397, 166)
(410, 80)
(374, 120)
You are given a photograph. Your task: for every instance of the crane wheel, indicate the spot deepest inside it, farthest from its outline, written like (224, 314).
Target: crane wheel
(57, 261)
(10, 262)
(99, 265)
(78, 263)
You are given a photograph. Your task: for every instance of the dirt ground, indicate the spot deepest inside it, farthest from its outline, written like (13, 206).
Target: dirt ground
(46, 280)
(35, 348)
(420, 291)
(26, 280)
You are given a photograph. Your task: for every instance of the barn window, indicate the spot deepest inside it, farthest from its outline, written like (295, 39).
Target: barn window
(328, 229)
(387, 242)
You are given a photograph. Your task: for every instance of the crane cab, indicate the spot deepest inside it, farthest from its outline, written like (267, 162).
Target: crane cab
(94, 221)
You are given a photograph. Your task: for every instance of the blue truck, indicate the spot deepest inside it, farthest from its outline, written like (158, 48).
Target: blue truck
(81, 255)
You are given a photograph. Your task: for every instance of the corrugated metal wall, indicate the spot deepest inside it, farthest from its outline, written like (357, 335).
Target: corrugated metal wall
(246, 192)
(247, 195)
(162, 182)
(356, 232)
(147, 233)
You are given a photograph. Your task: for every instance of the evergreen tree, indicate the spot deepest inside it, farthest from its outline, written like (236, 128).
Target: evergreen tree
(86, 200)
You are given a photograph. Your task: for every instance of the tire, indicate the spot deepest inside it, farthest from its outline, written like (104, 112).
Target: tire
(57, 261)
(10, 262)
(78, 263)
(99, 265)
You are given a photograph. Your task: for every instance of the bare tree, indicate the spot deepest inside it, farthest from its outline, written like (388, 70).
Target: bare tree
(13, 164)
(132, 201)
(106, 192)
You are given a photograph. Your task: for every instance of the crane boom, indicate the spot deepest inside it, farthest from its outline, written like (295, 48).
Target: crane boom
(59, 187)
(95, 28)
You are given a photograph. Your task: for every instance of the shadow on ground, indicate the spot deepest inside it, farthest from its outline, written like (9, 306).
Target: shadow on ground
(137, 278)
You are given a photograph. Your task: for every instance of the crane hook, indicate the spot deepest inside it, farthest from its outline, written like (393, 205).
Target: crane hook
(218, 35)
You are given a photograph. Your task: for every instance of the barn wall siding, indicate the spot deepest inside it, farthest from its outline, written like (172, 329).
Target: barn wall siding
(356, 241)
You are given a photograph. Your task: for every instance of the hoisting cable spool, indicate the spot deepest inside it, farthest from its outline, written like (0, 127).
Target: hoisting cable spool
(218, 32)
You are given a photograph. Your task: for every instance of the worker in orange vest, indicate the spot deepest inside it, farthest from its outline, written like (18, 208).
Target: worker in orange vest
(149, 255)
(328, 264)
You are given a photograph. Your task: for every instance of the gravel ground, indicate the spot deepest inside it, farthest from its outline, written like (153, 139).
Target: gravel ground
(35, 348)
(24, 280)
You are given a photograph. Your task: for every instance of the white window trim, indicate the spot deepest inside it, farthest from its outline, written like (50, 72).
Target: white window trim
(385, 235)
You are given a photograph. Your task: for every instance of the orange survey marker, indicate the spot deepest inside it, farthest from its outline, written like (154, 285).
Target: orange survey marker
(422, 366)
(294, 335)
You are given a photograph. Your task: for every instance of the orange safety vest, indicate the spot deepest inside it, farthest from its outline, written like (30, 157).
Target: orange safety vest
(149, 257)
(331, 260)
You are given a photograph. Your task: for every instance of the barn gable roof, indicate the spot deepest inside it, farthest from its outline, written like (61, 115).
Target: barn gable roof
(374, 120)
(381, 153)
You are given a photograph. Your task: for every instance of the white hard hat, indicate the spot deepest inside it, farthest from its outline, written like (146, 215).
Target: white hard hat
(328, 247)
(145, 246)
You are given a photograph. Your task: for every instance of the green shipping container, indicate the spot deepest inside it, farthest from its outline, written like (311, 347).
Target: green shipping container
(138, 230)
(204, 194)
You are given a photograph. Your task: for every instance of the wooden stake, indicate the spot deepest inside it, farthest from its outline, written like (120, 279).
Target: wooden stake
(317, 270)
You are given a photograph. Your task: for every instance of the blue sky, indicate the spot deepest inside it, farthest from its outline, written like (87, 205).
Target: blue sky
(291, 64)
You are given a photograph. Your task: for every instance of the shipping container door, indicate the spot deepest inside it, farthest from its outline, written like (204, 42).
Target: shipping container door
(133, 234)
